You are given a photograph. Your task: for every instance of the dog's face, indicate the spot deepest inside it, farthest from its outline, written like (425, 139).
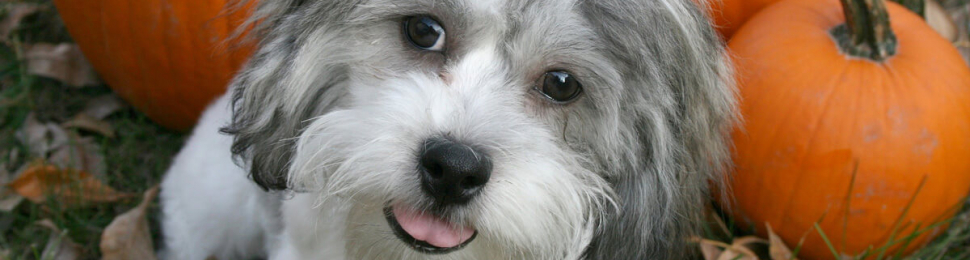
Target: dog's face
(490, 129)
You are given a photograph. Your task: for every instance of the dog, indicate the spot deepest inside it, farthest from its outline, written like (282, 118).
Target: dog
(459, 129)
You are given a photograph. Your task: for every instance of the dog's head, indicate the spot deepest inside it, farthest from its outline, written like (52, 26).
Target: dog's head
(496, 129)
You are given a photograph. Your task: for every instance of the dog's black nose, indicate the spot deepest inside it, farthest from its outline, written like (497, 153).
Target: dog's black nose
(452, 172)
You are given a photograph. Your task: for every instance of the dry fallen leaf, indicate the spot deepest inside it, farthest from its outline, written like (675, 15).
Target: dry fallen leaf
(59, 246)
(67, 186)
(41, 138)
(89, 123)
(8, 200)
(940, 20)
(80, 153)
(735, 255)
(63, 62)
(128, 237)
(737, 250)
(777, 248)
(965, 51)
(961, 16)
(710, 251)
(15, 12)
(56, 137)
(103, 106)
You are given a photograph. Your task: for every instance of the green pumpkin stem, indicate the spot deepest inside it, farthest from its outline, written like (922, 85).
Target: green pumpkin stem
(866, 32)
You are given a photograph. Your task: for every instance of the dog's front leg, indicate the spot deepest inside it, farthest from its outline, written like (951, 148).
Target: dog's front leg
(312, 230)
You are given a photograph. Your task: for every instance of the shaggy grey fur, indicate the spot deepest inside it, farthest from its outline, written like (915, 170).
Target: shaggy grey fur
(658, 97)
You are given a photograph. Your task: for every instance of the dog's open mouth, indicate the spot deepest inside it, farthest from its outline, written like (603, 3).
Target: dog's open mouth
(427, 233)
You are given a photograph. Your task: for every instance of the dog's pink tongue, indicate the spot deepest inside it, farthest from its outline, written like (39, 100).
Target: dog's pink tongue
(430, 229)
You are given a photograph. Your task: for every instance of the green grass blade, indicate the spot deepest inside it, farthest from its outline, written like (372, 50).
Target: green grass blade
(908, 240)
(827, 242)
(902, 217)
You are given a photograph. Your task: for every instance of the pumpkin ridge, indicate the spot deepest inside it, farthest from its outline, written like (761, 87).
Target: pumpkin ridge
(163, 57)
(808, 149)
(859, 103)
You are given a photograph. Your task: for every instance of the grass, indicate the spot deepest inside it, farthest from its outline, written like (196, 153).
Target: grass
(953, 244)
(135, 158)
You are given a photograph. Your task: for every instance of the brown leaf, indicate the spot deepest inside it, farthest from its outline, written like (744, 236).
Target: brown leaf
(13, 155)
(63, 62)
(128, 236)
(103, 106)
(739, 249)
(940, 20)
(55, 137)
(960, 12)
(15, 12)
(710, 251)
(87, 122)
(735, 255)
(745, 241)
(777, 248)
(80, 153)
(59, 246)
(41, 138)
(8, 200)
(965, 51)
(67, 186)
(735, 251)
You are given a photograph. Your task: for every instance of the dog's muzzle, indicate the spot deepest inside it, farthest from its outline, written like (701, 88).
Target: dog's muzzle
(451, 174)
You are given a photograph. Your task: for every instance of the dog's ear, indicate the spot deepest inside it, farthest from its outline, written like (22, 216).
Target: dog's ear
(684, 142)
(284, 84)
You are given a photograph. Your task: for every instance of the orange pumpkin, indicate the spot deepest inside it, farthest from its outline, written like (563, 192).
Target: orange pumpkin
(729, 15)
(167, 58)
(870, 138)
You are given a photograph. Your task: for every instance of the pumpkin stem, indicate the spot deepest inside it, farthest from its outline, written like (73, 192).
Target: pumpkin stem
(866, 32)
(917, 6)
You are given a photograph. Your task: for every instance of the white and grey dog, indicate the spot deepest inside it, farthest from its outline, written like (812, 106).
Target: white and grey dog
(458, 129)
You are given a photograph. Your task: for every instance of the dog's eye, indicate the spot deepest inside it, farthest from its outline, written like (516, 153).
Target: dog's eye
(425, 33)
(560, 86)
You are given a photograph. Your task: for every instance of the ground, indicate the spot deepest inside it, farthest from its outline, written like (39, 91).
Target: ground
(134, 159)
